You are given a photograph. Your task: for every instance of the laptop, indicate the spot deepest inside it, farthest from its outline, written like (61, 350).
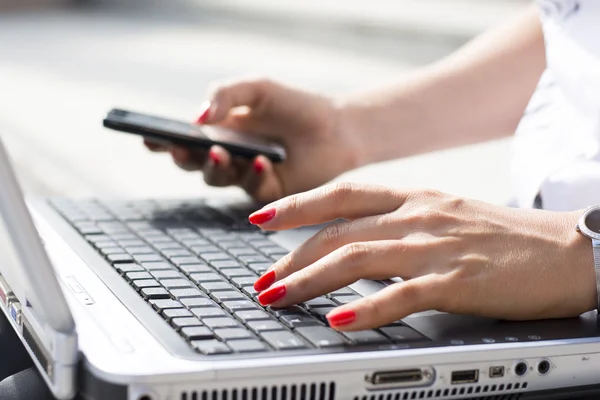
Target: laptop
(153, 300)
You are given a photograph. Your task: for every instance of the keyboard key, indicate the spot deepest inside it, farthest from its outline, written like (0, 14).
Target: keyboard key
(319, 302)
(176, 313)
(295, 321)
(232, 334)
(252, 315)
(186, 293)
(97, 238)
(343, 292)
(197, 302)
(278, 256)
(215, 286)
(242, 281)
(130, 242)
(233, 306)
(194, 268)
(170, 274)
(123, 236)
(179, 261)
(292, 310)
(231, 244)
(206, 313)
(106, 244)
(205, 249)
(322, 311)
(341, 300)
(124, 268)
(272, 250)
(402, 333)
(197, 333)
(143, 258)
(259, 268)
(132, 276)
(237, 272)
(254, 259)
(111, 250)
(165, 304)
(158, 266)
(283, 340)
(165, 244)
(216, 323)
(119, 258)
(176, 253)
(155, 293)
(261, 242)
(264, 326)
(243, 251)
(206, 277)
(210, 347)
(250, 291)
(179, 323)
(227, 296)
(208, 257)
(144, 283)
(321, 336)
(175, 283)
(247, 346)
(366, 337)
(225, 264)
(139, 250)
(195, 243)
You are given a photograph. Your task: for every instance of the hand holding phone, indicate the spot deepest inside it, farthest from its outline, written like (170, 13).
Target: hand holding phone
(192, 135)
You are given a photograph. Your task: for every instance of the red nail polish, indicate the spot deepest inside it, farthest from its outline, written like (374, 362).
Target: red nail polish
(258, 167)
(205, 114)
(273, 294)
(341, 317)
(265, 281)
(214, 157)
(262, 216)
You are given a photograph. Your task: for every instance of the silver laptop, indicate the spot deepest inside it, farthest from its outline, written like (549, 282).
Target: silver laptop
(153, 300)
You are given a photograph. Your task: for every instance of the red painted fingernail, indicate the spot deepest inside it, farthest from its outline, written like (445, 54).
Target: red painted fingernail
(258, 167)
(264, 281)
(214, 157)
(273, 294)
(262, 216)
(341, 317)
(204, 114)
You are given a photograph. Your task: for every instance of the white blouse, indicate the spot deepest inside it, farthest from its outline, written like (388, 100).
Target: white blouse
(556, 149)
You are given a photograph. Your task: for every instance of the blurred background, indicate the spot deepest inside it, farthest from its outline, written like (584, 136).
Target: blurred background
(64, 63)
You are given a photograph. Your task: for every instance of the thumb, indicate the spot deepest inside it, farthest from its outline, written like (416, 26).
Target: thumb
(240, 94)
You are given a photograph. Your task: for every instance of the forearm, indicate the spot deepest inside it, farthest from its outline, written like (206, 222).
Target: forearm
(479, 93)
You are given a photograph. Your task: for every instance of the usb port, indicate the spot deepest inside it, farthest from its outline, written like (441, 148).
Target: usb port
(496, 372)
(468, 376)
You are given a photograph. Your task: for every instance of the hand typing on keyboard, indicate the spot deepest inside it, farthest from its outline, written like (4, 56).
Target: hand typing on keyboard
(455, 255)
(305, 123)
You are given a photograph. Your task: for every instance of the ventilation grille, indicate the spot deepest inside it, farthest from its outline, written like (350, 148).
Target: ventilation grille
(488, 392)
(314, 391)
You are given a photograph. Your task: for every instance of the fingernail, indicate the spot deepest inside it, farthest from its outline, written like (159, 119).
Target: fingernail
(204, 114)
(339, 318)
(258, 167)
(214, 157)
(262, 216)
(264, 281)
(273, 294)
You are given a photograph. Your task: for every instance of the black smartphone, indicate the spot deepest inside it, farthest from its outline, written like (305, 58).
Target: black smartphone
(191, 135)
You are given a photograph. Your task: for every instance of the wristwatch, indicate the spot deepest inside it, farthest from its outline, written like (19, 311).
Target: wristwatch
(589, 225)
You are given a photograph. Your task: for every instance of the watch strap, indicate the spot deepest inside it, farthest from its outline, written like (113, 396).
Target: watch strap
(596, 248)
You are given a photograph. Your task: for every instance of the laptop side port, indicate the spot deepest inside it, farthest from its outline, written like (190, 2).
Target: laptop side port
(496, 372)
(5, 292)
(403, 378)
(466, 376)
(38, 349)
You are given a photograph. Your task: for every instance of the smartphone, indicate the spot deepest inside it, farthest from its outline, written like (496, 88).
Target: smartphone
(192, 135)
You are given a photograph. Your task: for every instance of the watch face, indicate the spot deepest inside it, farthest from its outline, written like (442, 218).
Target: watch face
(592, 221)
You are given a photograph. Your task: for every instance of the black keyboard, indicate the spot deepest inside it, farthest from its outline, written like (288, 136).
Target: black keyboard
(196, 266)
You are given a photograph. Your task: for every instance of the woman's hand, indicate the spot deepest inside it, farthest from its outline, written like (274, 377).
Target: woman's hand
(455, 255)
(306, 124)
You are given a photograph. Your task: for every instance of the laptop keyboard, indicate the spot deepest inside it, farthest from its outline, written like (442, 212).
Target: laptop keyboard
(196, 265)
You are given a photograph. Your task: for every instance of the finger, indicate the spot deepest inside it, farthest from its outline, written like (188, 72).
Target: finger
(223, 99)
(343, 200)
(390, 304)
(346, 265)
(187, 159)
(260, 181)
(156, 146)
(338, 235)
(219, 169)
